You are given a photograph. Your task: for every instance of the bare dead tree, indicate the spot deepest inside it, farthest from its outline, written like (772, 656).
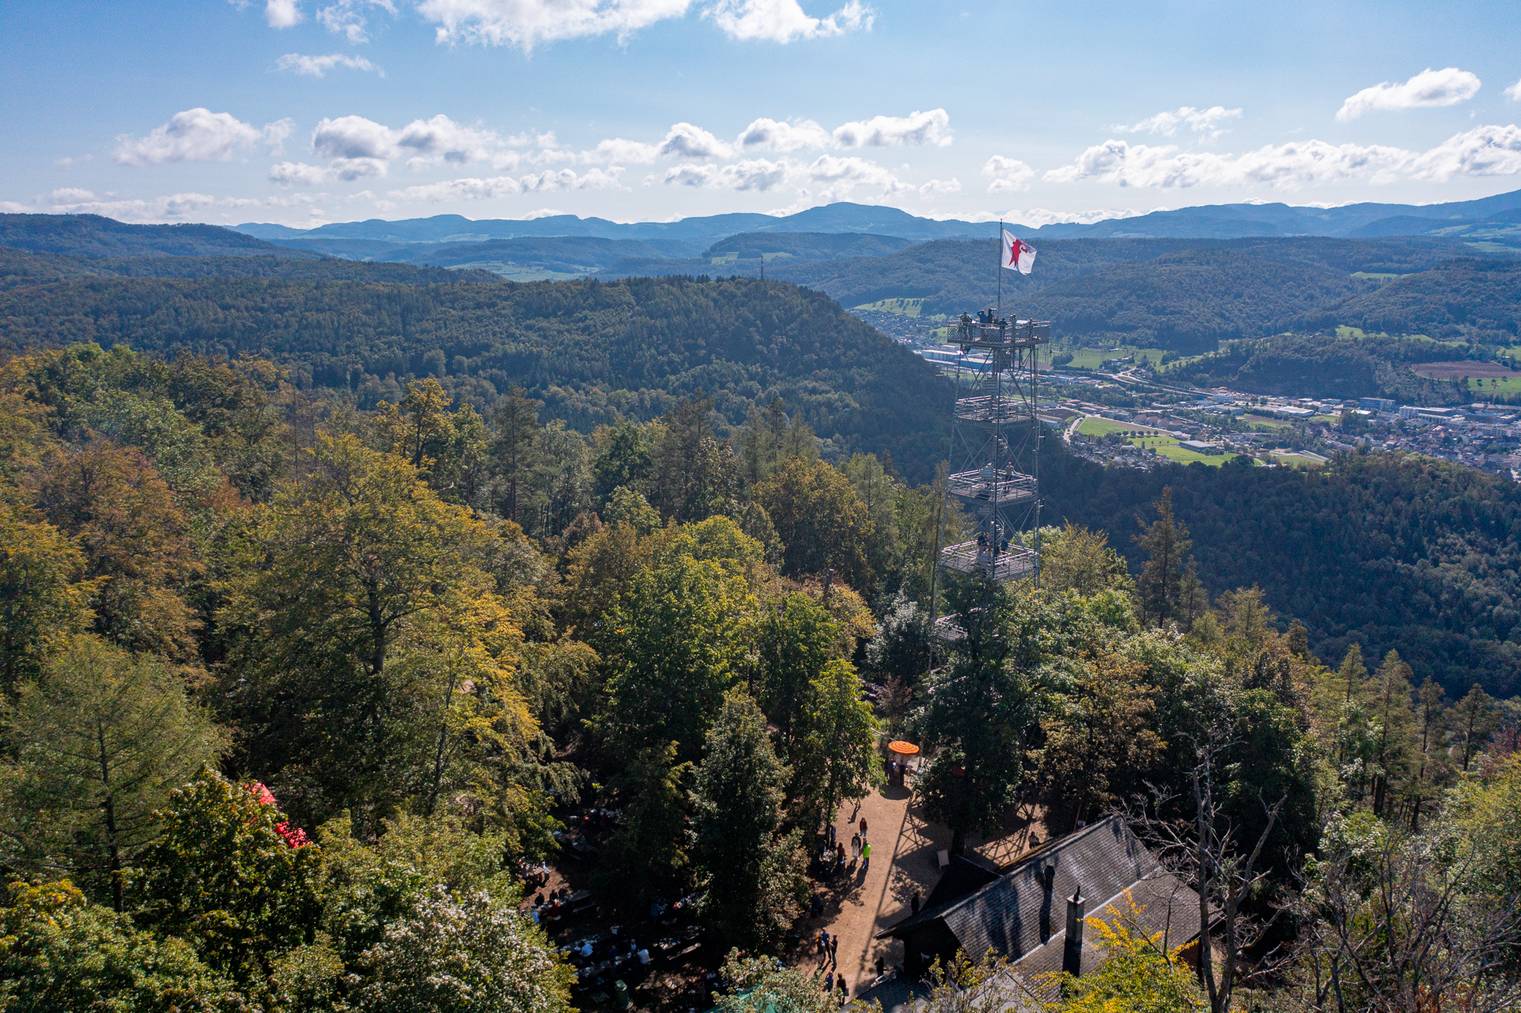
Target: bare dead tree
(1402, 927)
(1206, 851)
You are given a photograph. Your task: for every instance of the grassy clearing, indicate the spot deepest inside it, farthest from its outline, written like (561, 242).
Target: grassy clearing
(1093, 425)
(1167, 446)
(1290, 459)
(1093, 358)
(902, 307)
(1495, 384)
(1265, 422)
(1377, 275)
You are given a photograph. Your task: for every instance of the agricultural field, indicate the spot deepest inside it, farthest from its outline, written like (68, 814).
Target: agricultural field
(1096, 426)
(1481, 376)
(1294, 459)
(1266, 422)
(903, 307)
(1167, 446)
(1093, 358)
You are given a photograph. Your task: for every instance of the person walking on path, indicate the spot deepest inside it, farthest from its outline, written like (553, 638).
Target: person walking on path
(865, 857)
(832, 836)
(855, 845)
(834, 950)
(844, 989)
(823, 942)
(863, 828)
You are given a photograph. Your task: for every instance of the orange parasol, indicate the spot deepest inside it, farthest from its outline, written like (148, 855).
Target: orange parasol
(902, 748)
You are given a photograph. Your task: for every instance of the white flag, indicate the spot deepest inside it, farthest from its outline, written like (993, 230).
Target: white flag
(1017, 255)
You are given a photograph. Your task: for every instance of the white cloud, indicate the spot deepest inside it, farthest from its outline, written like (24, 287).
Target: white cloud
(71, 195)
(1428, 89)
(173, 207)
(752, 174)
(1004, 174)
(1483, 151)
(527, 23)
(930, 127)
(1284, 166)
(475, 188)
(622, 151)
(780, 135)
(685, 140)
(353, 137)
(197, 135)
(299, 174)
(1207, 123)
(441, 138)
(282, 13)
(15, 207)
(1514, 92)
(847, 173)
(939, 187)
(785, 20)
(1489, 150)
(1037, 217)
(319, 66)
(350, 18)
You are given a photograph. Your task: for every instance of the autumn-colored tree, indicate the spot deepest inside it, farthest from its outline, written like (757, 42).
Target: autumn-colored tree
(371, 658)
(43, 594)
(1082, 561)
(135, 537)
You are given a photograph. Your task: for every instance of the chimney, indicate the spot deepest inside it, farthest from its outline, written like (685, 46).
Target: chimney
(1048, 884)
(1072, 952)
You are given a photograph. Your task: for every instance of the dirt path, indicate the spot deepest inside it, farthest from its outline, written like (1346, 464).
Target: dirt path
(903, 861)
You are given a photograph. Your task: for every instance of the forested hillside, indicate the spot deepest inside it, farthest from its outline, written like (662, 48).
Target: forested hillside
(1187, 295)
(594, 351)
(309, 708)
(1394, 552)
(1343, 364)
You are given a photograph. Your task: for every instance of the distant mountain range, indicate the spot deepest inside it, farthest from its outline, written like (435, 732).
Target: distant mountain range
(1500, 213)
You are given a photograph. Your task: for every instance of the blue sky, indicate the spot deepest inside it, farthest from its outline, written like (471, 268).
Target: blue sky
(304, 111)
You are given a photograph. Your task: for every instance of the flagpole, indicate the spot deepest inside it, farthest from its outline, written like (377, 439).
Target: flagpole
(998, 266)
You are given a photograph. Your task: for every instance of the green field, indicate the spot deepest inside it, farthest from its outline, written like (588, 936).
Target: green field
(1093, 425)
(1167, 446)
(1265, 422)
(1377, 275)
(902, 307)
(1289, 459)
(1495, 384)
(1093, 358)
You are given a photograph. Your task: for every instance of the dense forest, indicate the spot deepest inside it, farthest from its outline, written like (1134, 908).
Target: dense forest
(593, 351)
(1392, 551)
(1340, 365)
(305, 707)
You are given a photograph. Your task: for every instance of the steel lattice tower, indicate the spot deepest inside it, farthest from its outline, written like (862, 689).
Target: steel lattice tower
(995, 450)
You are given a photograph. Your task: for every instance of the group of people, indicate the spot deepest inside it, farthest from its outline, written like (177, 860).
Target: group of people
(833, 855)
(829, 959)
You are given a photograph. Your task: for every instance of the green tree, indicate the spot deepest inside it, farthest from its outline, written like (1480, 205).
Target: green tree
(821, 521)
(463, 952)
(757, 984)
(516, 450)
(1389, 705)
(95, 746)
(1168, 585)
(624, 459)
(835, 758)
(228, 872)
(646, 853)
(1474, 720)
(1099, 738)
(794, 639)
(752, 871)
(1076, 559)
(692, 474)
(678, 644)
(982, 712)
(60, 952)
